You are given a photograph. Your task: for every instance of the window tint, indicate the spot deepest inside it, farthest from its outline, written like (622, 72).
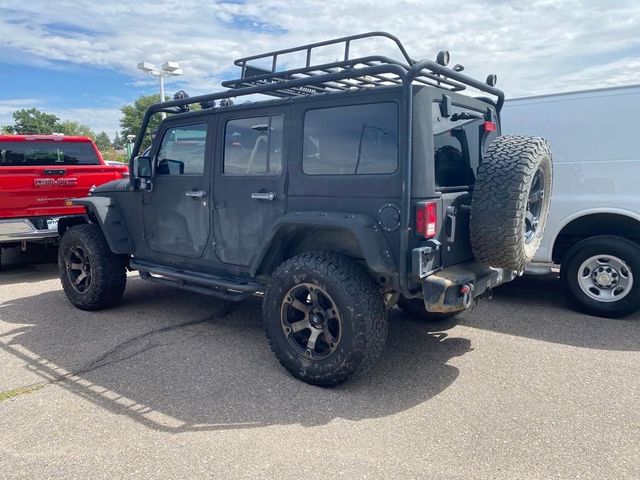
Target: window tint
(35, 153)
(352, 140)
(253, 146)
(182, 150)
(452, 137)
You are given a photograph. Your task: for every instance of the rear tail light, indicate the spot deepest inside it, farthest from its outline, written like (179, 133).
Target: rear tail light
(490, 127)
(426, 219)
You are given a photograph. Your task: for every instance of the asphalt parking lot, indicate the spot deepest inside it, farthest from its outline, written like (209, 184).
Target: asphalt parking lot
(167, 386)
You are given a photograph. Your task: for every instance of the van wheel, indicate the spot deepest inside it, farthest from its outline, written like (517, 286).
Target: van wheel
(92, 276)
(325, 318)
(511, 201)
(414, 307)
(601, 276)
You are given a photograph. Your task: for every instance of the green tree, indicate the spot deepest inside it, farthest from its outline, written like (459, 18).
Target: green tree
(69, 127)
(32, 120)
(118, 144)
(6, 130)
(132, 116)
(103, 141)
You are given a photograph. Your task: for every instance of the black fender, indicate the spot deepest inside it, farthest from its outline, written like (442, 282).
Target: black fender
(105, 212)
(65, 223)
(351, 234)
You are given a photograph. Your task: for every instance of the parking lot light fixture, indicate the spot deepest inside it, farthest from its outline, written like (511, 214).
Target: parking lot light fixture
(168, 69)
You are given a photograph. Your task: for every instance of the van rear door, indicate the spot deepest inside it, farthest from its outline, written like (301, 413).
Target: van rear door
(38, 174)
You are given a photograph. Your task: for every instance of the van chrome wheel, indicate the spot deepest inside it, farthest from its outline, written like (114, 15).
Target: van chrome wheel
(311, 321)
(78, 269)
(605, 278)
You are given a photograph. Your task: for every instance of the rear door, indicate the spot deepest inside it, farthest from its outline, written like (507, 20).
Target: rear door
(249, 193)
(37, 176)
(176, 210)
(459, 141)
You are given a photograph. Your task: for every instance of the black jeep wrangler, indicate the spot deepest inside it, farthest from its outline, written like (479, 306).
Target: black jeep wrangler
(368, 182)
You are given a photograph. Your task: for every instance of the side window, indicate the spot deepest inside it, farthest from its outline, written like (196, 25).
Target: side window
(253, 146)
(351, 140)
(182, 150)
(451, 139)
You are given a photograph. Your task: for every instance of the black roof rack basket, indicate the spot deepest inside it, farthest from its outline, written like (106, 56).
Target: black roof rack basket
(330, 77)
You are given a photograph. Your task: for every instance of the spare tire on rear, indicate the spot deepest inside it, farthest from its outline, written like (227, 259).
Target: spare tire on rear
(511, 201)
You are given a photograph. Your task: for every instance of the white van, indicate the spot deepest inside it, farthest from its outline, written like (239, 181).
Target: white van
(593, 229)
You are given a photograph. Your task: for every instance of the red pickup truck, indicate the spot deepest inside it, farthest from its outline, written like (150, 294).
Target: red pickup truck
(38, 173)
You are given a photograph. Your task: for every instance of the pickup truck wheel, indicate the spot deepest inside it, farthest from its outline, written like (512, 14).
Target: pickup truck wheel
(324, 317)
(414, 307)
(510, 201)
(92, 276)
(601, 276)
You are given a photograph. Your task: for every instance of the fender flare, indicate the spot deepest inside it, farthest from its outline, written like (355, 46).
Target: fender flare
(368, 235)
(106, 213)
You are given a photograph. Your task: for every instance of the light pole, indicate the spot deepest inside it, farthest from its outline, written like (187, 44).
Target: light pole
(130, 139)
(168, 69)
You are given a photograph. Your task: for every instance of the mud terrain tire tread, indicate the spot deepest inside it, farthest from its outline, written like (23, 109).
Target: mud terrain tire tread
(499, 203)
(360, 304)
(108, 270)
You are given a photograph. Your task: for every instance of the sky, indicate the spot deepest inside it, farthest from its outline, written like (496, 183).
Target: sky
(77, 58)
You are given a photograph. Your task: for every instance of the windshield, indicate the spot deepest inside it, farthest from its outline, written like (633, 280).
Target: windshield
(27, 154)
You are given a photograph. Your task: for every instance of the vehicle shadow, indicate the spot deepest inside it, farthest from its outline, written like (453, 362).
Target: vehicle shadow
(37, 263)
(207, 373)
(535, 307)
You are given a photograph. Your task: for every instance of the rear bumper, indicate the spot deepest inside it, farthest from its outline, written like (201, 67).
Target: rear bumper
(454, 288)
(23, 229)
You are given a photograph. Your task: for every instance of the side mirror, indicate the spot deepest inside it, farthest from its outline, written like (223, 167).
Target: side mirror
(492, 80)
(142, 167)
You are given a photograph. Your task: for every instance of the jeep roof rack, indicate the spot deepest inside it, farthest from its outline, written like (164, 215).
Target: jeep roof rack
(424, 72)
(339, 76)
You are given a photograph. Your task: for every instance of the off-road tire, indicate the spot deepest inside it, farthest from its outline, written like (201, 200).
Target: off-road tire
(414, 307)
(359, 302)
(606, 245)
(500, 201)
(108, 270)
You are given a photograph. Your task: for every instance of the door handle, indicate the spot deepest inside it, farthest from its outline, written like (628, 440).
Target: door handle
(196, 193)
(263, 195)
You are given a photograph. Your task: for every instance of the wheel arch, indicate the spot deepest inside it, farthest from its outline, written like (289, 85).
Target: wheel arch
(356, 236)
(104, 212)
(65, 223)
(591, 223)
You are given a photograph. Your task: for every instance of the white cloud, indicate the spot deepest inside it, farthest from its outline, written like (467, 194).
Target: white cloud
(534, 46)
(99, 119)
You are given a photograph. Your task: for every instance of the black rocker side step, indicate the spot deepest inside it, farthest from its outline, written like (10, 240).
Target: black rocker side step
(196, 281)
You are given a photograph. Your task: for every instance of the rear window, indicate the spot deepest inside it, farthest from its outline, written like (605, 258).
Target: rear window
(29, 154)
(253, 146)
(351, 140)
(454, 165)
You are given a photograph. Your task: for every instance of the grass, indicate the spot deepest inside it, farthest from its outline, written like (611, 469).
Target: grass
(19, 391)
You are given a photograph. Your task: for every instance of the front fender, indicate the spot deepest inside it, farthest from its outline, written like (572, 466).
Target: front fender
(372, 244)
(106, 213)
